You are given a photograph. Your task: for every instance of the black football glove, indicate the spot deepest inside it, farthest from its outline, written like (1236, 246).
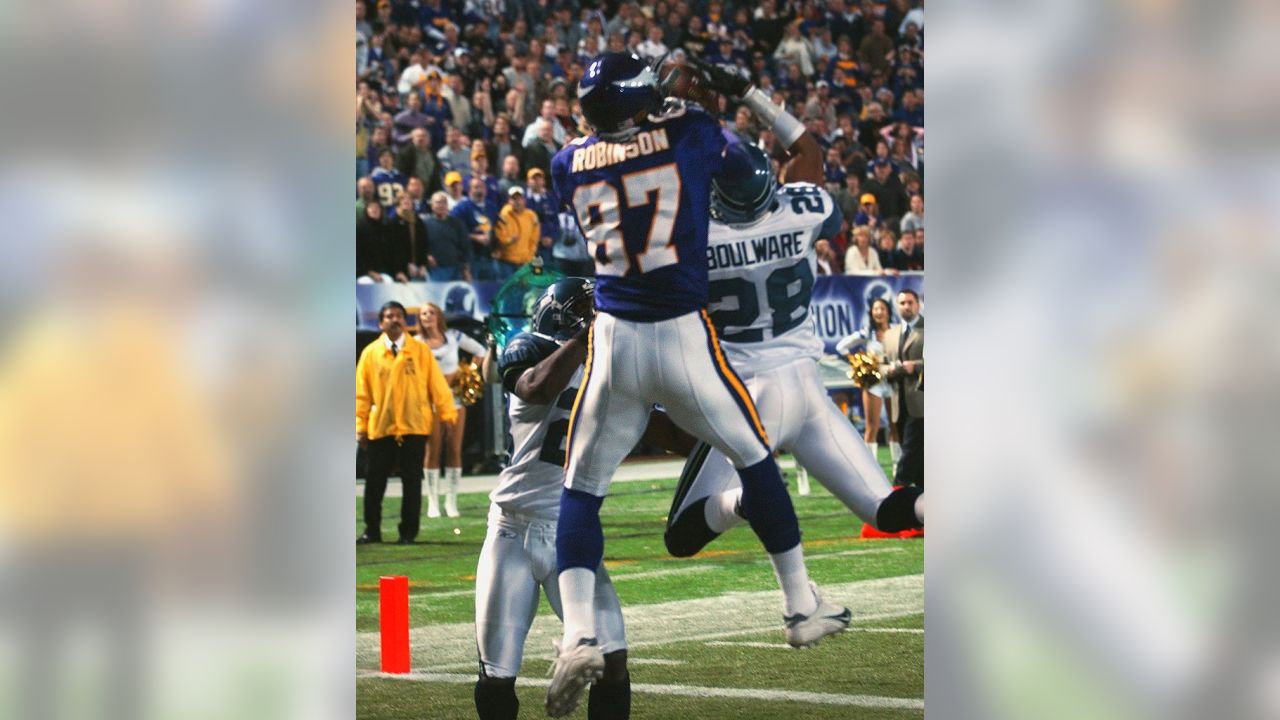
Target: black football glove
(721, 80)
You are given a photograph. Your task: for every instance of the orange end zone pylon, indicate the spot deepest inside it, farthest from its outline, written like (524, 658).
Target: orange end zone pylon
(394, 621)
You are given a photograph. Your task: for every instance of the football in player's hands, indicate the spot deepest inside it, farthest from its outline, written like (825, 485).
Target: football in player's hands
(678, 78)
(726, 80)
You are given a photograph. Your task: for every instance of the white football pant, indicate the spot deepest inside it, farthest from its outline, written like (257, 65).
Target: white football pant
(801, 419)
(677, 363)
(518, 557)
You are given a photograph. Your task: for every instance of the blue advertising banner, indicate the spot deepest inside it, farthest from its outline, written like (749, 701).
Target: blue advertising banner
(839, 302)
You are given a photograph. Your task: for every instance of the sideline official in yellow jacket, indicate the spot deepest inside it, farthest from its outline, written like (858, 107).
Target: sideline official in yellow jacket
(399, 387)
(516, 234)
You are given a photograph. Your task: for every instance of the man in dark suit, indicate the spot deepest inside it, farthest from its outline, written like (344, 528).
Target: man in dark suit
(904, 345)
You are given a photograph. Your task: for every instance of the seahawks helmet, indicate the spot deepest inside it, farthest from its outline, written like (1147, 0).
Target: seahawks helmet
(564, 308)
(746, 186)
(614, 89)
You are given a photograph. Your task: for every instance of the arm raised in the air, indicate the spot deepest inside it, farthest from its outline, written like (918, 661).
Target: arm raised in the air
(805, 154)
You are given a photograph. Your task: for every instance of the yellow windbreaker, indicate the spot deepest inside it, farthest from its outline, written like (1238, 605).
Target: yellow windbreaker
(517, 235)
(396, 394)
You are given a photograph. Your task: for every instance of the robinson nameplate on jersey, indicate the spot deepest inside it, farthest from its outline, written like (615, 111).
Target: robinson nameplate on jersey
(603, 153)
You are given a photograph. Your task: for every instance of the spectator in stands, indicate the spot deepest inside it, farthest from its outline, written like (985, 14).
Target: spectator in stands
(890, 196)
(908, 257)
(915, 218)
(501, 143)
(766, 26)
(417, 160)
(886, 246)
(920, 238)
(827, 262)
(371, 246)
(742, 126)
(379, 140)
(437, 109)
(365, 194)
(653, 48)
(570, 251)
(409, 119)
(532, 133)
(510, 174)
(453, 188)
(868, 212)
(862, 259)
(834, 172)
(872, 121)
(539, 201)
(388, 183)
(407, 236)
(849, 197)
(449, 249)
(479, 223)
(795, 49)
(455, 155)
(480, 171)
(875, 48)
(398, 385)
(516, 235)
(456, 96)
(539, 153)
(417, 191)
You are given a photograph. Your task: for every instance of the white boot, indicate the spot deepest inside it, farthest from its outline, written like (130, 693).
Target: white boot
(802, 480)
(433, 491)
(451, 477)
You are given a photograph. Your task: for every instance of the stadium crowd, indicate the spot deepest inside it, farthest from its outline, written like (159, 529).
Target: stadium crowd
(460, 107)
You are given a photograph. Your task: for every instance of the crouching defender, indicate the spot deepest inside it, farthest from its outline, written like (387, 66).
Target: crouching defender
(541, 370)
(762, 266)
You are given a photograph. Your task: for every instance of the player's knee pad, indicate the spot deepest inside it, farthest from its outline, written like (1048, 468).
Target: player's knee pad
(690, 532)
(496, 698)
(767, 506)
(610, 697)
(897, 512)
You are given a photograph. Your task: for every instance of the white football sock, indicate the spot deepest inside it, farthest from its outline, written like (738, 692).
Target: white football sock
(793, 578)
(433, 490)
(577, 599)
(802, 480)
(451, 477)
(874, 447)
(895, 452)
(719, 510)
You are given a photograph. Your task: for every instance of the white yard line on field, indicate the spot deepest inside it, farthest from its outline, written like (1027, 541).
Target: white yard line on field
(682, 570)
(698, 691)
(714, 618)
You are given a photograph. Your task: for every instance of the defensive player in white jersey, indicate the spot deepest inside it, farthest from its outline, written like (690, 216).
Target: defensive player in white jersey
(541, 370)
(762, 266)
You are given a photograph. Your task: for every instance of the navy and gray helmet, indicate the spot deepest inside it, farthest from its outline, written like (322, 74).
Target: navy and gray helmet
(615, 88)
(564, 308)
(745, 189)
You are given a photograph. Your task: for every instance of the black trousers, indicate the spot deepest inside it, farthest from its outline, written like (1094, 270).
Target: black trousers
(910, 470)
(383, 455)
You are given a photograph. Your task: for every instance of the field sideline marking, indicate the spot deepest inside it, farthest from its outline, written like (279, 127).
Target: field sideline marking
(697, 691)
